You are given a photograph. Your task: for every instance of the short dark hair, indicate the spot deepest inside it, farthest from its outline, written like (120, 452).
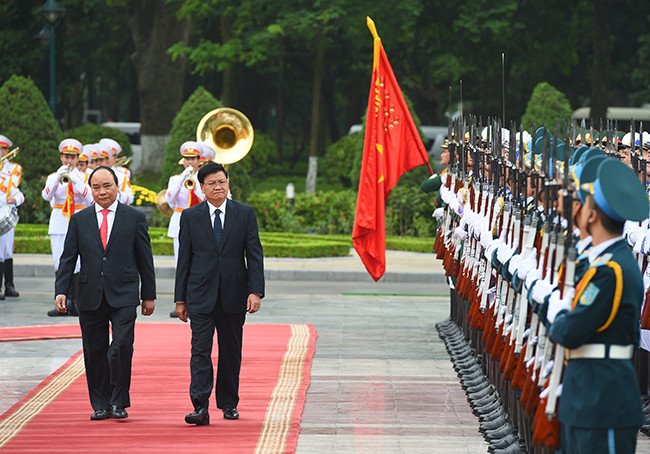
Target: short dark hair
(209, 169)
(611, 225)
(90, 178)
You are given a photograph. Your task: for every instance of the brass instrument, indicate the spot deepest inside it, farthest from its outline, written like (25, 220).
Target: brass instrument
(228, 132)
(65, 178)
(8, 157)
(190, 183)
(162, 205)
(123, 161)
(225, 130)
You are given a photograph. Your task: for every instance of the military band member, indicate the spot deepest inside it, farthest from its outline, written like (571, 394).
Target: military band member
(180, 192)
(84, 159)
(207, 154)
(67, 191)
(94, 155)
(15, 175)
(123, 174)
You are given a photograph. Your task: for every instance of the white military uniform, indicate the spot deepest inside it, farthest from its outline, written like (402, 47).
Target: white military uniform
(57, 194)
(178, 197)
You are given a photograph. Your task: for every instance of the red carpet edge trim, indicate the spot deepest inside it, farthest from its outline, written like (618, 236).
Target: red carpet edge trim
(278, 419)
(29, 409)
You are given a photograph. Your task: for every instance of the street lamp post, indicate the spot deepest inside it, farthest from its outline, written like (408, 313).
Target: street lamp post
(52, 11)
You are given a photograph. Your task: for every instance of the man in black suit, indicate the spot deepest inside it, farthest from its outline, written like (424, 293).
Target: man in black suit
(112, 240)
(219, 277)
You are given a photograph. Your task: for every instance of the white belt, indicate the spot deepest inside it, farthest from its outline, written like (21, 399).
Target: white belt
(602, 351)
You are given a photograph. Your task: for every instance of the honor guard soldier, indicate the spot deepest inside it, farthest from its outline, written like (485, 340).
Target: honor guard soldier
(600, 407)
(67, 191)
(123, 174)
(183, 191)
(13, 172)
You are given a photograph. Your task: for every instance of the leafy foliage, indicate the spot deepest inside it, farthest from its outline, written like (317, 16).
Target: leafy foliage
(546, 106)
(92, 133)
(184, 129)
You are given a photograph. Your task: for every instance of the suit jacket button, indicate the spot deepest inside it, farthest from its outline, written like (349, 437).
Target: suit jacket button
(101, 273)
(104, 258)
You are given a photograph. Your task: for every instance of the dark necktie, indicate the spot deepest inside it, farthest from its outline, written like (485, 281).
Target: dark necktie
(217, 226)
(103, 229)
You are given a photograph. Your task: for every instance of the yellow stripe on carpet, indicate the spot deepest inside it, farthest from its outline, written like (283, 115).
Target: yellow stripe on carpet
(13, 424)
(277, 421)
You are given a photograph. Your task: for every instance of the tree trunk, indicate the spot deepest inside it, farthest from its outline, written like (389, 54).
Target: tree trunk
(312, 171)
(154, 28)
(600, 62)
(279, 127)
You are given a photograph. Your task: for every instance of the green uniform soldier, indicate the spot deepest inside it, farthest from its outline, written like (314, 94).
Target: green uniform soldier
(433, 183)
(600, 408)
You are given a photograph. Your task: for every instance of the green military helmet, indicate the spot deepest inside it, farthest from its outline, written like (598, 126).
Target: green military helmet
(618, 192)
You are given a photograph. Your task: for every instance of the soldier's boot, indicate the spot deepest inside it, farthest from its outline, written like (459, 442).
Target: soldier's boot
(10, 290)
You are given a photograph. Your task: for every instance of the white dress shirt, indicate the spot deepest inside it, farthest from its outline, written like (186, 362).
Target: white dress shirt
(110, 218)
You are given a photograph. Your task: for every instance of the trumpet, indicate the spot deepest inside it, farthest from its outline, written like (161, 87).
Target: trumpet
(123, 161)
(65, 178)
(8, 157)
(190, 183)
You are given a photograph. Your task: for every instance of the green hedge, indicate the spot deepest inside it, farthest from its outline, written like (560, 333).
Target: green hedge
(33, 239)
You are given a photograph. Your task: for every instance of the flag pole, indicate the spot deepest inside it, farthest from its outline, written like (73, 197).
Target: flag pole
(375, 60)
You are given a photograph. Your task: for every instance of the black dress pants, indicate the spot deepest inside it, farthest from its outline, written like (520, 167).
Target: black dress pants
(229, 329)
(108, 366)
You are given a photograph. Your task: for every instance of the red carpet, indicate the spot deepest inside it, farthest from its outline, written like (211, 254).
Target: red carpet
(276, 365)
(39, 332)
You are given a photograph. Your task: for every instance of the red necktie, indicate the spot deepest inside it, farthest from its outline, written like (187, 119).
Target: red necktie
(103, 229)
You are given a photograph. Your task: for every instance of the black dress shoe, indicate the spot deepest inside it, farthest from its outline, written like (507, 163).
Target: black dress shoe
(118, 412)
(200, 417)
(230, 413)
(100, 415)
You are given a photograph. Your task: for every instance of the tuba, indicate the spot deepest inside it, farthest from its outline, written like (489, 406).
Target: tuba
(228, 132)
(122, 161)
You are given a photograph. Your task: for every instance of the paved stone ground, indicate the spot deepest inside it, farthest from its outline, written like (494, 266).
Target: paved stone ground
(381, 379)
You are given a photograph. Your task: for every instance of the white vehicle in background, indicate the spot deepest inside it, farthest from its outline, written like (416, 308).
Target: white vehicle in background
(132, 130)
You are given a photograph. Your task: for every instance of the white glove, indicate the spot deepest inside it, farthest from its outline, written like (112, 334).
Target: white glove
(557, 304)
(460, 233)
(62, 171)
(494, 244)
(504, 253)
(486, 238)
(445, 194)
(187, 172)
(443, 179)
(528, 264)
(515, 260)
(438, 213)
(433, 176)
(639, 246)
(532, 276)
(542, 289)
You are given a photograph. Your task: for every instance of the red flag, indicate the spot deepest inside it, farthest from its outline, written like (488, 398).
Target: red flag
(391, 147)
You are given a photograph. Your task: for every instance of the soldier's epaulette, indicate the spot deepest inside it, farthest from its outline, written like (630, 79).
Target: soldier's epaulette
(602, 260)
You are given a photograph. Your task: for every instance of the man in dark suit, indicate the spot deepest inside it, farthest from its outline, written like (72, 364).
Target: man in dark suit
(112, 240)
(219, 277)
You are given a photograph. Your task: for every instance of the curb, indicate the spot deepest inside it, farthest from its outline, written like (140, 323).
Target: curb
(167, 272)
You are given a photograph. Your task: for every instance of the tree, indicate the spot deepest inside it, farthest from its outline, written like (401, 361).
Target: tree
(27, 120)
(154, 28)
(546, 107)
